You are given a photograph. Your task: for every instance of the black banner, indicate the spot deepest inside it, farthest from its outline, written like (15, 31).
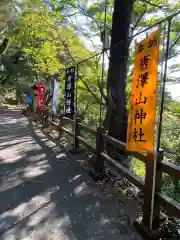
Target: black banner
(69, 92)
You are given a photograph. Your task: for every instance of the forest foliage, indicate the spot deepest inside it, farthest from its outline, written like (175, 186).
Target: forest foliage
(45, 37)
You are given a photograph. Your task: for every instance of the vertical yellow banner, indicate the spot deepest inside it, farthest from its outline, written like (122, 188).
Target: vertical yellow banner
(142, 113)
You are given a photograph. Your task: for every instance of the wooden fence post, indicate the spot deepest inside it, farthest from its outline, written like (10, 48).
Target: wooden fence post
(60, 125)
(153, 183)
(100, 145)
(46, 122)
(44, 116)
(76, 131)
(158, 186)
(148, 206)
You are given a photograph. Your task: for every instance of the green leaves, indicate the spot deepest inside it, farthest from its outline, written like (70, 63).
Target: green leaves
(45, 39)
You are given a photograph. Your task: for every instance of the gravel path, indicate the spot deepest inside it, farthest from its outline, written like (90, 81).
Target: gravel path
(46, 195)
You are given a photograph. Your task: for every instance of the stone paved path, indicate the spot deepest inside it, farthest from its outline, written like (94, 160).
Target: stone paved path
(46, 195)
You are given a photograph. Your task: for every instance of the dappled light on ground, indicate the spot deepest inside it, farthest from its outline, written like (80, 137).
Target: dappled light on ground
(46, 195)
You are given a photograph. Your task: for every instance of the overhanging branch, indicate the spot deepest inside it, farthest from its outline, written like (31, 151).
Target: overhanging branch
(139, 19)
(174, 55)
(90, 91)
(153, 4)
(175, 42)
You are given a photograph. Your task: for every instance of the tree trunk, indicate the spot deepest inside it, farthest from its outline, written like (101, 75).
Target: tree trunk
(4, 45)
(116, 112)
(116, 118)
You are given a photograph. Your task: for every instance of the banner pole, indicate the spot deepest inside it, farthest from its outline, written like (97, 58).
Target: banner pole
(76, 100)
(163, 86)
(157, 155)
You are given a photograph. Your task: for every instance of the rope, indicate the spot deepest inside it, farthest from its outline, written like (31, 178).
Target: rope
(126, 39)
(131, 37)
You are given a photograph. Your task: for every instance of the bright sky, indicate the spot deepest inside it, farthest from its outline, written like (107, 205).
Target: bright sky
(174, 89)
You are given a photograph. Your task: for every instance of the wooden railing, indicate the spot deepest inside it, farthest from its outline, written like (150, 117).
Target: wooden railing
(148, 186)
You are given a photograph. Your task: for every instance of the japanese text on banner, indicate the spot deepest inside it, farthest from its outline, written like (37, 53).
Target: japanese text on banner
(41, 95)
(140, 133)
(69, 92)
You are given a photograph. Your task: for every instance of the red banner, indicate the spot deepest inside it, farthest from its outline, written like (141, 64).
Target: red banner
(40, 95)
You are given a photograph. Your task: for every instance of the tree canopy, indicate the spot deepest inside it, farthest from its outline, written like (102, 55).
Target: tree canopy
(40, 38)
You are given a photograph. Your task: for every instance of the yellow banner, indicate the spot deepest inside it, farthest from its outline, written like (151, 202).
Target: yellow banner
(142, 113)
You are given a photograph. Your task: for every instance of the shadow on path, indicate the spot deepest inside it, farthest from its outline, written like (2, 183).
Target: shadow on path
(46, 195)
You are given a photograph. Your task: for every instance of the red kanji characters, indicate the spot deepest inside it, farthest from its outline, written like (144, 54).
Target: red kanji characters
(138, 136)
(139, 116)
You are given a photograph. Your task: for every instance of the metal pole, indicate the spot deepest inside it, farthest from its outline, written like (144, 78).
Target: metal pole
(153, 168)
(103, 59)
(149, 191)
(102, 87)
(160, 91)
(158, 154)
(152, 165)
(163, 85)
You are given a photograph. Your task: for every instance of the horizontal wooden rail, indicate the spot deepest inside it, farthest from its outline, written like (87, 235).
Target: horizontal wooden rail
(70, 121)
(90, 147)
(169, 151)
(124, 171)
(118, 144)
(88, 129)
(170, 169)
(169, 204)
(67, 131)
(56, 125)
